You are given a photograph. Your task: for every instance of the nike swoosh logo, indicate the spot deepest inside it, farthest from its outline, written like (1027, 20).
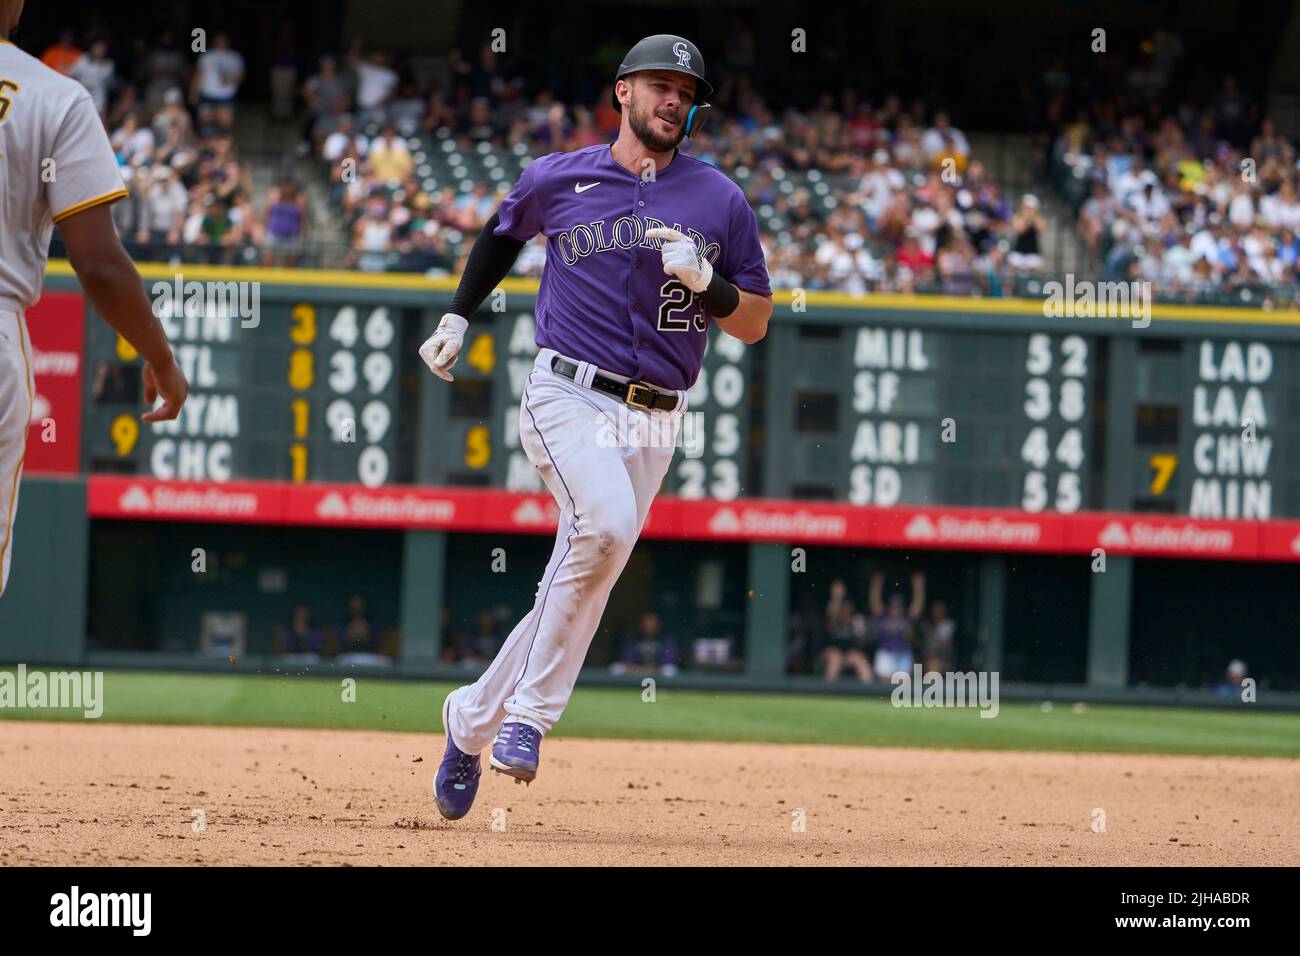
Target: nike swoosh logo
(579, 188)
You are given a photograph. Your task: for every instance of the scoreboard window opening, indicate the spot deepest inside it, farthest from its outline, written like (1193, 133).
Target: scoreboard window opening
(816, 412)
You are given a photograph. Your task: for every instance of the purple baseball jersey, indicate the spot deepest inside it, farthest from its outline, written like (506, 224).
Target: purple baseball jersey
(604, 297)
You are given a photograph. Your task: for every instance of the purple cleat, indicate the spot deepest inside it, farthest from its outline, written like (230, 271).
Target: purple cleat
(456, 784)
(516, 750)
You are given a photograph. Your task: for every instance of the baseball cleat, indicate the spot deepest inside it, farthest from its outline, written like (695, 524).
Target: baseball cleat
(516, 750)
(456, 784)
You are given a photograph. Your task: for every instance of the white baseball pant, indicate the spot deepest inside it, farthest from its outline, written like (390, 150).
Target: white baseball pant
(17, 388)
(604, 492)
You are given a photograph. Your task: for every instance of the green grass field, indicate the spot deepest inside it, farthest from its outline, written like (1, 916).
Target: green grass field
(269, 701)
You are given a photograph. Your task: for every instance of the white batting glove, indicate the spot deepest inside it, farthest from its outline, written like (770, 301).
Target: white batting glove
(682, 259)
(440, 350)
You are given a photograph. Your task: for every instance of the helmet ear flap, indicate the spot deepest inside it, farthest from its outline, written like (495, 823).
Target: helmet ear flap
(696, 117)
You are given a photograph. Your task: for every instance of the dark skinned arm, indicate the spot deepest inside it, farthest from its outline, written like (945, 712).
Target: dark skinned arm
(110, 279)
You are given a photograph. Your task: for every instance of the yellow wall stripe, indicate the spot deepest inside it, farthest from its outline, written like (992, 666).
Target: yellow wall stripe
(343, 279)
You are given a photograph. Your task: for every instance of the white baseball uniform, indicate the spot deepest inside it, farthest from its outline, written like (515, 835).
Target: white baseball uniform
(55, 160)
(604, 493)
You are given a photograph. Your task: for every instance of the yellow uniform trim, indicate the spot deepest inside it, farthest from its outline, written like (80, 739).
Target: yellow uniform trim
(960, 305)
(114, 196)
(27, 425)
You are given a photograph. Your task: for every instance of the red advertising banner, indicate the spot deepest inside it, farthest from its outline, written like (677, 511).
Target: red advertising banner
(795, 522)
(58, 328)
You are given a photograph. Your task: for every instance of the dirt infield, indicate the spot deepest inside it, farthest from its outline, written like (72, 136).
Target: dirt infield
(110, 794)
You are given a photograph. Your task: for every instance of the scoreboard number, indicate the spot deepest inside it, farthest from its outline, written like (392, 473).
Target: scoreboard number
(302, 324)
(343, 328)
(1164, 467)
(375, 418)
(372, 466)
(379, 329)
(715, 399)
(478, 447)
(125, 432)
(482, 354)
(344, 377)
(339, 415)
(299, 407)
(1071, 405)
(378, 371)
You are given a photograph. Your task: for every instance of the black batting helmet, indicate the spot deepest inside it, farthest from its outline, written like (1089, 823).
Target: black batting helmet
(667, 52)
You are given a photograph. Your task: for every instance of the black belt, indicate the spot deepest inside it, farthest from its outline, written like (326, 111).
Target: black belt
(633, 393)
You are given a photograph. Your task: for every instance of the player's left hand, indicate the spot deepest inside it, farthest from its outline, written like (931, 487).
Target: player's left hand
(682, 259)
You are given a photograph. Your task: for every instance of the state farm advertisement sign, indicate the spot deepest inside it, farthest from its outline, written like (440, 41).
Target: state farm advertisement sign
(1166, 535)
(794, 522)
(146, 499)
(57, 326)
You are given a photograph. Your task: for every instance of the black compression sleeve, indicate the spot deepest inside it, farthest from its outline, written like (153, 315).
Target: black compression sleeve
(721, 297)
(489, 262)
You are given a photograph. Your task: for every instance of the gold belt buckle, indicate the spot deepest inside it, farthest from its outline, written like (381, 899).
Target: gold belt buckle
(632, 391)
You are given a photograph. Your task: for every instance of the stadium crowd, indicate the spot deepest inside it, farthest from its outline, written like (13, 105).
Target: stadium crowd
(1197, 193)
(850, 195)
(170, 120)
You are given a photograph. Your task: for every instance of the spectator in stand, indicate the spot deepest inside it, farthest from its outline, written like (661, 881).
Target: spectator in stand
(95, 71)
(1233, 678)
(372, 237)
(337, 143)
(944, 141)
(481, 647)
(132, 142)
(172, 117)
(912, 256)
(358, 635)
(62, 56)
(218, 233)
(165, 69)
(301, 637)
(162, 215)
(218, 74)
(894, 625)
(648, 650)
(479, 127)
(376, 81)
(328, 97)
(285, 225)
(389, 159)
(938, 639)
(605, 117)
(1027, 227)
(846, 637)
(284, 71)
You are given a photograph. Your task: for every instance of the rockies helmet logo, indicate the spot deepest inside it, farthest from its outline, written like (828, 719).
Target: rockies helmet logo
(683, 53)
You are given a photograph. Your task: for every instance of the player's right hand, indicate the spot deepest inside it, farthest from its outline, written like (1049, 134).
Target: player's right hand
(440, 350)
(169, 382)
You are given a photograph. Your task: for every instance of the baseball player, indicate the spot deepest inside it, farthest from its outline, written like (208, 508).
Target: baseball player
(645, 246)
(56, 166)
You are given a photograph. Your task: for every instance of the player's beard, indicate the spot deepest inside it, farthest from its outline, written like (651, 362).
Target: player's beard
(649, 135)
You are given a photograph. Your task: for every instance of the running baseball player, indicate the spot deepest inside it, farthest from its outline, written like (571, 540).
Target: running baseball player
(645, 246)
(56, 166)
